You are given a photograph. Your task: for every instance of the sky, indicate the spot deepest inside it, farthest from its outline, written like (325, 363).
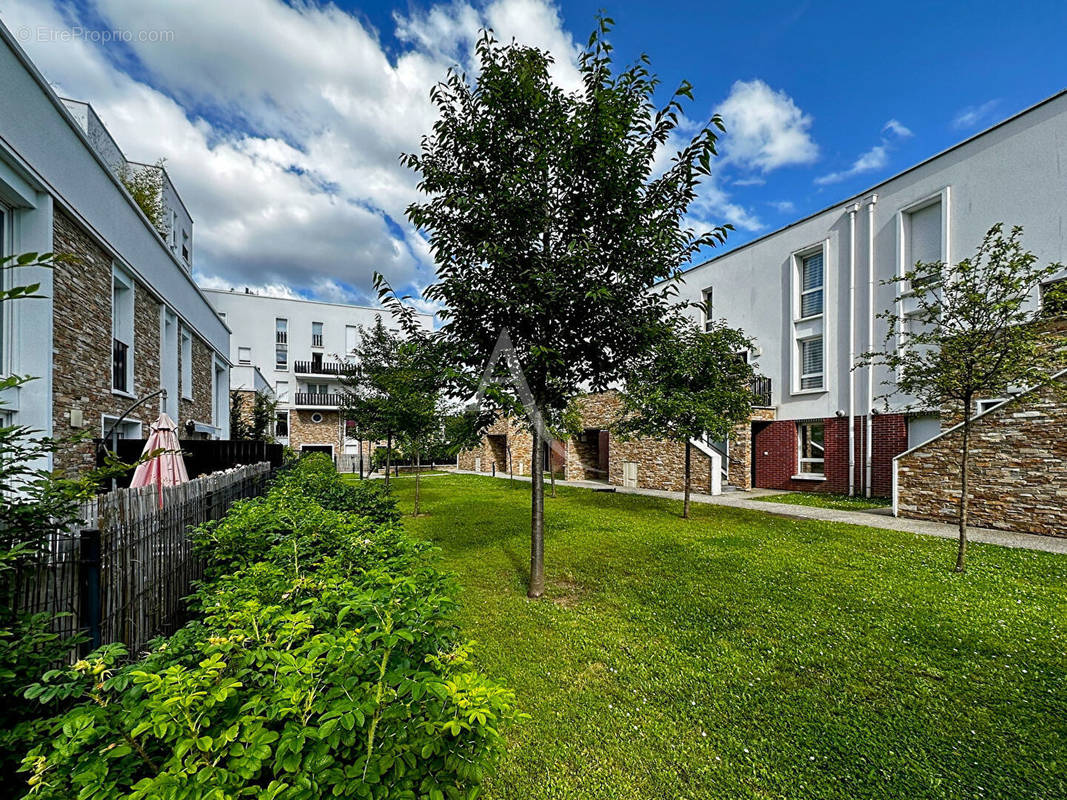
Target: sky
(282, 123)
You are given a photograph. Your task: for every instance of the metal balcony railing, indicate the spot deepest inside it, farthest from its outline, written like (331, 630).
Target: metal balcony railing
(761, 391)
(315, 367)
(281, 337)
(316, 340)
(318, 400)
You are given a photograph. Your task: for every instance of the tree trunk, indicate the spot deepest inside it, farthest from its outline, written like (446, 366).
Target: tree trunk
(418, 469)
(388, 457)
(537, 522)
(688, 460)
(961, 554)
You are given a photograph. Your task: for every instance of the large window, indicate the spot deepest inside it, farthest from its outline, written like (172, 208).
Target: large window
(281, 358)
(281, 425)
(351, 338)
(187, 365)
(281, 331)
(810, 445)
(811, 363)
(811, 281)
(708, 298)
(281, 391)
(316, 334)
(921, 229)
(244, 355)
(122, 299)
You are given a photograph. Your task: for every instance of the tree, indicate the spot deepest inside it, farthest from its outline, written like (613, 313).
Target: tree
(691, 384)
(966, 332)
(367, 389)
(240, 430)
(144, 182)
(264, 415)
(547, 219)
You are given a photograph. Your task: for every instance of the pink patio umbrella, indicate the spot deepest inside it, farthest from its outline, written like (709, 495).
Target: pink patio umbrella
(167, 468)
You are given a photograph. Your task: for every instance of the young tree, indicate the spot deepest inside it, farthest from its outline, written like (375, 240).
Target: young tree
(691, 384)
(367, 389)
(239, 427)
(548, 219)
(969, 331)
(264, 414)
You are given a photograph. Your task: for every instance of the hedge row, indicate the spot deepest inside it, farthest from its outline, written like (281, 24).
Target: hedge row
(323, 662)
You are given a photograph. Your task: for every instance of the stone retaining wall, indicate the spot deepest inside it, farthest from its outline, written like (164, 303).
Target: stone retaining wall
(1018, 469)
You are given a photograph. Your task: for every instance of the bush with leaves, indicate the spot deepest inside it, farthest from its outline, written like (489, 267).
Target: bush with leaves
(325, 662)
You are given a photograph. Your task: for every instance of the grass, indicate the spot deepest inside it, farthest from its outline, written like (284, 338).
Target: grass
(822, 500)
(748, 655)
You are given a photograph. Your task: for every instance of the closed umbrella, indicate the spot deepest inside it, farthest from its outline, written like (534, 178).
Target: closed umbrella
(167, 468)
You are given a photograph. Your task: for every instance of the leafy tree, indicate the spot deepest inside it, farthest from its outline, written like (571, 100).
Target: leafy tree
(367, 390)
(969, 331)
(547, 218)
(264, 413)
(691, 384)
(240, 430)
(144, 182)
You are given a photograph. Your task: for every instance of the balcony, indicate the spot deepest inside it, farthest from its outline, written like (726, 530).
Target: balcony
(319, 367)
(317, 400)
(761, 391)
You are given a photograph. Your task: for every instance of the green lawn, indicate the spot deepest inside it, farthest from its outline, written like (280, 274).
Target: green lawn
(839, 501)
(748, 655)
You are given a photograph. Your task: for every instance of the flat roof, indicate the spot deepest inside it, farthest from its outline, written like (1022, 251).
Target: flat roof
(242, 293)
(875, 187)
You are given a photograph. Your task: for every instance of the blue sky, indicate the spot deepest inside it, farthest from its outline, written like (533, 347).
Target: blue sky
(281, 123)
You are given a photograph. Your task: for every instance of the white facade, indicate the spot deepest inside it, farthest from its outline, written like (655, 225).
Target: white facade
(298, 345)
(57, 156)
(940, 209)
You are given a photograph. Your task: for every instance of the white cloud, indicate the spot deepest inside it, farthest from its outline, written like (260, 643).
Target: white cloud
(972, 116)
(875, 158)
(282, 124)
(896, 128)
(750, 181)
(765, 129)
(783, 206)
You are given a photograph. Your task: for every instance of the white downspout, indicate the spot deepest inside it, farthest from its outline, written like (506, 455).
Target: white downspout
(870, 336)
(852, 209)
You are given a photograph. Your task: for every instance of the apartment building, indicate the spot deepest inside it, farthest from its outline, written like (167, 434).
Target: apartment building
(303, 348)
(809, 294)
(123, 319)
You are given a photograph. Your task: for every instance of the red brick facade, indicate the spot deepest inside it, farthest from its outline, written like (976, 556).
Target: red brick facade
(775, 450)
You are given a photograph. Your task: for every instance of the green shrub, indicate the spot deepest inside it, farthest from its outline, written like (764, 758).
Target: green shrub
(325, 663)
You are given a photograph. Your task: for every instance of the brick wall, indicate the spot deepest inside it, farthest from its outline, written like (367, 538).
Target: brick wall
(1018, 469)
(81, 372)
(775, 446)
(302, 430)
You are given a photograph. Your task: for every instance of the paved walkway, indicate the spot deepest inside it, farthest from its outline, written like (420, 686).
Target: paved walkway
(874, 518)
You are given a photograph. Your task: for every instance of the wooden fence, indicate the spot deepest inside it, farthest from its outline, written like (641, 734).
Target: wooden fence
(124, 578)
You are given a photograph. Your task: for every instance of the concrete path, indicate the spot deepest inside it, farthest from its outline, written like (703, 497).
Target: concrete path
(874, 518)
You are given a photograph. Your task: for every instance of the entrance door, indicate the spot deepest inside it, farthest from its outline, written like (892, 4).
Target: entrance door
(629, 474)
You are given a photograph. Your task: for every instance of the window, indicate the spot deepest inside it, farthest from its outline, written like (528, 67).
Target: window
(281, 425)
(351, 338)
(707, 298)
(986, 405)
(244, 355)
(810, 440)
(811, 285)
(316, 334)
(122, 298)
(220, 397)
(1054, 298)
(281, 390)
(811, 358)
(281, 331)
(187, 365)
(318, 388)
(185, 246)
(922, 240)
(170, 361)
(5, 216)
(281, 358)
